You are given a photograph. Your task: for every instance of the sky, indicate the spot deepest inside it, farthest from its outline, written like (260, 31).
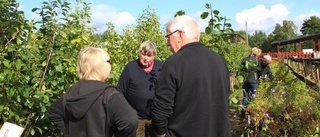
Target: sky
(260, 15)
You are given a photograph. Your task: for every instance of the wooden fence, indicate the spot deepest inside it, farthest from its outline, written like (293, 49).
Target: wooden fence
(307, 69)
(290, 54)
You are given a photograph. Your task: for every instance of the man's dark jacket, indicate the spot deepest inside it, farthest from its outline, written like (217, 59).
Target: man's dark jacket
(192, 94)
(265, 71)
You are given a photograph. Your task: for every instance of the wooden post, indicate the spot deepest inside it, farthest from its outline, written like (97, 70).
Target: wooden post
(300, 43)
(317, 44)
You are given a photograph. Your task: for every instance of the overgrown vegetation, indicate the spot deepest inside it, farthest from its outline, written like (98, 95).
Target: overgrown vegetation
(38, 60)
(285, 106)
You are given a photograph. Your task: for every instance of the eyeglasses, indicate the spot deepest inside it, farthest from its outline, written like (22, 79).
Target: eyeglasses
(167, 36)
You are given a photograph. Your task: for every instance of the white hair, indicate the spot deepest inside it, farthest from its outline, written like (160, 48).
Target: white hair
(267, 58)
(186, 24)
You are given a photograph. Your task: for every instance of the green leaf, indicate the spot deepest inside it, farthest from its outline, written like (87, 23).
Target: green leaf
(84, 37)
(59, 68)
(18, 99)
(216, 12)
(208, 30)
(207, 6)
(44, 63)
(236, 87)
(10, 92)
(63, 34)
(35, 9)
(1, 108)
(40, 130)
(32, 132)
(11, 48)
(26, 94)
(54, 83)
(19, 41)
(16, 117)
(18, 64)
(7, 63)
(234, 100)
(51, 72)
(240, 79)
(43, 108)
(204, 15)
(228, 24)
(45, 99)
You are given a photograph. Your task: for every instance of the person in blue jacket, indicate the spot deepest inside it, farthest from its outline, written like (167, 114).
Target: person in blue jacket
(138, 82)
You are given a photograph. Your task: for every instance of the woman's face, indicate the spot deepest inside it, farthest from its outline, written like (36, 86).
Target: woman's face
(146, 58)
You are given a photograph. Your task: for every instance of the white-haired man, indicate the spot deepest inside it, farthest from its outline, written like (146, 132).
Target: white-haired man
(265, 71)
(192, 95)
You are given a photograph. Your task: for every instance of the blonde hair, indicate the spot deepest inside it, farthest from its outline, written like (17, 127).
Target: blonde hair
(92, 64)
(186, 24)
(148, 46)
(256, 51)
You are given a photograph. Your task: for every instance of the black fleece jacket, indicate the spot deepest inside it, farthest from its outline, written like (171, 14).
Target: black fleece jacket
(93, 109)
(250, 66)
(191, 98)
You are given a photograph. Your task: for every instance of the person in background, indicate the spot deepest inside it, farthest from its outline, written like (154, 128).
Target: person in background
(192, 96)
(265, 71)
(138, 81)
(92, 108)
(250, 67)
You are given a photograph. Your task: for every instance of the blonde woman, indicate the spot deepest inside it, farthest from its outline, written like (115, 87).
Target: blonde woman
(250, 65)
(92, 108)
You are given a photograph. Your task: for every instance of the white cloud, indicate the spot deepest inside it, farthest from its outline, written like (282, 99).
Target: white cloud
(203, 23)
(101, 14)
(21, 7)
(35, 16)
(261, 18)
(164, 20)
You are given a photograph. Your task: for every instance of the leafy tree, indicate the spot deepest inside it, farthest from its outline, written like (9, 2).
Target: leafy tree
(124, 48)
(218, 28)
(63, 32)
(311, 26)
(261, 40)
(284, 32)
(13, 28)
(37, 66)
(149, 28)
(257, 39)
(14, 76)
